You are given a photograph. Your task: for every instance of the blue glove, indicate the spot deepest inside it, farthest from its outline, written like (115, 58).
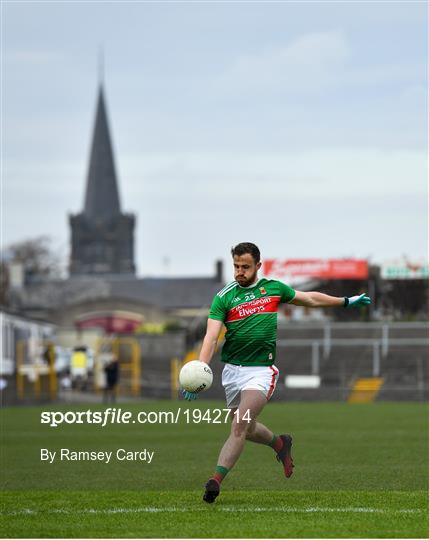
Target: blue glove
(190, 396)
(357, 301)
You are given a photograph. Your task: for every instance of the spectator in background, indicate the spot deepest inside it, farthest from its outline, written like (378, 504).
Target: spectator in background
(49, 354)
(111, 370)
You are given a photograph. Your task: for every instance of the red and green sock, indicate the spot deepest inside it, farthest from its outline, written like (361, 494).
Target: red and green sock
(276, 443)
(220, 473)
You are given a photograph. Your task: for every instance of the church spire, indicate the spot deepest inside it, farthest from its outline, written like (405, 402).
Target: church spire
(102, 237)
(102, 197)
(101, 66)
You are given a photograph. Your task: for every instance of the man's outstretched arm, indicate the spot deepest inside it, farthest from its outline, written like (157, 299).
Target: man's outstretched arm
(315, 299)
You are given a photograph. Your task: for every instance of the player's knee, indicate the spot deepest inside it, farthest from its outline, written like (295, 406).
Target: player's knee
(250, 428)
(239, 428)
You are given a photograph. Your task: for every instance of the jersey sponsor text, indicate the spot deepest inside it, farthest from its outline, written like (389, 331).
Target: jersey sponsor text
(267, 304)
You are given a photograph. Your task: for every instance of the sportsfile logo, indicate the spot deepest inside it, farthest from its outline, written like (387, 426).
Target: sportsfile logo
(110, 416)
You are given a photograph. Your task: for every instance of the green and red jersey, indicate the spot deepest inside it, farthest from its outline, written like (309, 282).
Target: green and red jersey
(250, 317)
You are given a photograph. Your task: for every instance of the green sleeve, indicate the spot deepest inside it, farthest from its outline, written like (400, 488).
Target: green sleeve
(217, 310)
(287, 294)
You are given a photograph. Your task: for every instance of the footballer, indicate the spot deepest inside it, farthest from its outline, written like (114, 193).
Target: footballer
(248, 308)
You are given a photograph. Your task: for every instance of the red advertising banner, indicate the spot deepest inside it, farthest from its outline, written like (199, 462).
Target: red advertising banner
(315, 268)
(120, 323)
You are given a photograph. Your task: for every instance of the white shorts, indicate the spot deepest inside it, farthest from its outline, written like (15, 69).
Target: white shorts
(238, 378)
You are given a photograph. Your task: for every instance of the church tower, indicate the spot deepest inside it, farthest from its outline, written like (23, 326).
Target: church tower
(102, 238)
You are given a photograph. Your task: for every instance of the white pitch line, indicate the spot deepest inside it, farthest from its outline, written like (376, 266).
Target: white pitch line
(172, 509)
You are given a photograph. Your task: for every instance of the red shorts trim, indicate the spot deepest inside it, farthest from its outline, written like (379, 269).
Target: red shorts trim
(273, 382)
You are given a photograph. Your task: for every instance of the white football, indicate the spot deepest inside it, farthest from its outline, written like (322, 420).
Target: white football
(195, 376)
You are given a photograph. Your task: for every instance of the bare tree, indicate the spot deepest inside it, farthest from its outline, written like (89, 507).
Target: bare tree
(39, 262)
(37, 257)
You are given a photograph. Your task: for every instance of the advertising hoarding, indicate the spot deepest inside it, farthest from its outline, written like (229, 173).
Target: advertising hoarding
(405, 270)
(315, 268)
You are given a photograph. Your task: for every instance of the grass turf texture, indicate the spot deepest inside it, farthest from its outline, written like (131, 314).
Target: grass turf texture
(361, 471)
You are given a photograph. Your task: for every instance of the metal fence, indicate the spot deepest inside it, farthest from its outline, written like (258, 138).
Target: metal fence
(319, 349)
(341, 353)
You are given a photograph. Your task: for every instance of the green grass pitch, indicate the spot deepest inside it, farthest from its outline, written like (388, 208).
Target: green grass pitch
(361, 472)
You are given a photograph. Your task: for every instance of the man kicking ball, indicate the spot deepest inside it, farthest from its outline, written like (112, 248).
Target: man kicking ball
(248, 308)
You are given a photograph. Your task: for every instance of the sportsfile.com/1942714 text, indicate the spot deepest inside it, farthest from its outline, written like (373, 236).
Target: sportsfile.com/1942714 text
(113, 415)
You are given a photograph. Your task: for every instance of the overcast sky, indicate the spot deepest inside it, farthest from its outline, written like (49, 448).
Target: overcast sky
(299, 126)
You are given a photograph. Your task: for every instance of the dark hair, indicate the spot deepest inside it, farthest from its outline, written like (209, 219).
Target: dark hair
(247, 247)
